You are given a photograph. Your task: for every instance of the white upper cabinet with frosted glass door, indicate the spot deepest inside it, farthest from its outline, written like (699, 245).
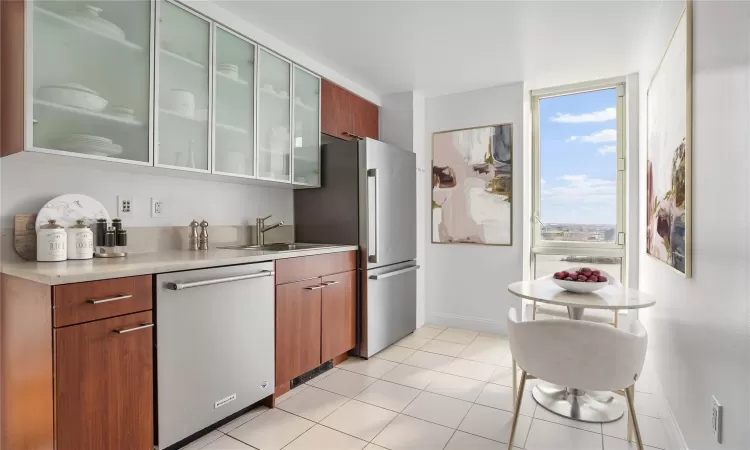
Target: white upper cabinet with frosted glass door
(184, 89)
(90, 92)
(274, 117)
(234, 100)
(306, 143)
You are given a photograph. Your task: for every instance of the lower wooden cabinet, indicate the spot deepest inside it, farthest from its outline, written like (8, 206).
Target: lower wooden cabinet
(339, 315)
(104, 384)
(316, 318)
(82, 386)
(297, 328)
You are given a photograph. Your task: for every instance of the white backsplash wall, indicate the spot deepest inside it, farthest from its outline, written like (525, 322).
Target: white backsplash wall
(28, 181)
(466, 284)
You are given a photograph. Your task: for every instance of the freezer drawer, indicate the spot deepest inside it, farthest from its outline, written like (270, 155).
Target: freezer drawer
(215, 345)
(389, 305)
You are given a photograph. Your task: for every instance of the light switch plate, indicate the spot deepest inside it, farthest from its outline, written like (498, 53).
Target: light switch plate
(716, 412)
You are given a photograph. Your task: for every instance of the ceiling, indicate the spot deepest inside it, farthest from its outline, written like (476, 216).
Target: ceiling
(453, 46)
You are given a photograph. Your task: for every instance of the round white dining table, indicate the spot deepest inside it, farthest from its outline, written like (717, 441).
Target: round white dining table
(576, 404)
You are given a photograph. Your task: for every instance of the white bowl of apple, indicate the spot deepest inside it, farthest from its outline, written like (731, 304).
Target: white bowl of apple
(581, 280)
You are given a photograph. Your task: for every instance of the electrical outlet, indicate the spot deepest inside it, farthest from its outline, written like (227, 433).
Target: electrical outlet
(157, 207)
(716, 411)
(124, 206)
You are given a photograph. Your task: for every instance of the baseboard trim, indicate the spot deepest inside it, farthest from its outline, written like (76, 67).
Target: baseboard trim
(675, 438)
(478, 324)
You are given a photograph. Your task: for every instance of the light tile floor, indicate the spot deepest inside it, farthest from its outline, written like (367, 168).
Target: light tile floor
(438, 389)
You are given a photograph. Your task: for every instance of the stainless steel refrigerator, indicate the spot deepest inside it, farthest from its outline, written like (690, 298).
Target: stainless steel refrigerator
(368, 198)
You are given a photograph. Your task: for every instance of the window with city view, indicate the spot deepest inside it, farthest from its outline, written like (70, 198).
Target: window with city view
(578, 175)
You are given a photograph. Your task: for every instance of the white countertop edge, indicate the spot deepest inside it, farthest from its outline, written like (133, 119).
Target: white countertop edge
(66, 272)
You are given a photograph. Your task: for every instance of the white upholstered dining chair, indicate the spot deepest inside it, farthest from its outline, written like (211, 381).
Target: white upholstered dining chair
(581, 355)
(590, 315)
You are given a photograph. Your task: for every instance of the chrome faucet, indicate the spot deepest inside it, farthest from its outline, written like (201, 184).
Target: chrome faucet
(261, 228)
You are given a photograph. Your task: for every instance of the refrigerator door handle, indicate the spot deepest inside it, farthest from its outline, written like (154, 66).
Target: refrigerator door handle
(394, 273)
(373, 173)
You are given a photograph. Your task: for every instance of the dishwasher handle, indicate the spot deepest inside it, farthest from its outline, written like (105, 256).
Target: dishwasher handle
(178, 286)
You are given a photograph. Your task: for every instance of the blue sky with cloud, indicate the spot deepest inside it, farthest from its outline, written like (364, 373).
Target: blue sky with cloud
(578, 136)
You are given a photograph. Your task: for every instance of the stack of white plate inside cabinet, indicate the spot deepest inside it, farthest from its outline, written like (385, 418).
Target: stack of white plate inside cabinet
(91, 145)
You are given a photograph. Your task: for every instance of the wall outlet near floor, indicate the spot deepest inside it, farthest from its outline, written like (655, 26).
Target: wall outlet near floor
(157, 207)
(124, 206)
(716, 412)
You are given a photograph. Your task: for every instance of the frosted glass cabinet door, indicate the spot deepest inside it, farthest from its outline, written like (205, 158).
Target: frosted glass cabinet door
(274, 117)
(184, 87)
(306, 128)
(91, 77)
(234, 79)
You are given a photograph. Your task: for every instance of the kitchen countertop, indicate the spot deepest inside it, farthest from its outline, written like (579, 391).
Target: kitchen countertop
(64, 272)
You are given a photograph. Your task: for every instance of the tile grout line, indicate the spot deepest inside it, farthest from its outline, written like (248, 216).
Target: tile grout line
(242, 442)
(421, 390)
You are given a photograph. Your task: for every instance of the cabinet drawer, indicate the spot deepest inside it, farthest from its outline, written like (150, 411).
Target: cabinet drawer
(83, 302)
(306, 267)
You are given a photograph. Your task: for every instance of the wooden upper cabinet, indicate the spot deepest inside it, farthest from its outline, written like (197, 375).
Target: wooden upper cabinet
(104, 385)
(334, 106)
(339, 314)
(364, 117)
(344, 114)
(297, 329)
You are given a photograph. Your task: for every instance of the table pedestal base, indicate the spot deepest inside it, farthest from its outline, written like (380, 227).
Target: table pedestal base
(576, 404)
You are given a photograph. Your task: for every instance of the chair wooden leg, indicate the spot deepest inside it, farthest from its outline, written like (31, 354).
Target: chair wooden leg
(631, 410)
(630, 422)
(517, 409)
(515, 381)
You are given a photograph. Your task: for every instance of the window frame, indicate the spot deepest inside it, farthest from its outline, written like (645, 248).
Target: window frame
(542, 247)
(556, 247)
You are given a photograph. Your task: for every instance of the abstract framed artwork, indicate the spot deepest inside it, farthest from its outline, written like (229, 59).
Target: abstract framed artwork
(472, 181)
(669, 148)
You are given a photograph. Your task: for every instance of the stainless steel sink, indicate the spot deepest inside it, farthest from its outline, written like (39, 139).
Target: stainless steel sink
(285, 247)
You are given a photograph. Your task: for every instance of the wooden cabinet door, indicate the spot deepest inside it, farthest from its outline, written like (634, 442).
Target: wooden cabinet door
(297, 329)
(104, 385)
(335, 110)
(339, 314)
(365, 116)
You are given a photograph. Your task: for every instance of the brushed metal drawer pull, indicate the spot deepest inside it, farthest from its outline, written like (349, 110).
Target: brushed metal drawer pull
(110, 299)
(178, 286)
(330, 283)
(315, 288)
(128, 330)
(356, 136)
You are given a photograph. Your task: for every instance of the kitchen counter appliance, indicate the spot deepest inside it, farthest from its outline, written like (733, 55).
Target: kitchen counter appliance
(368, 198)
(215, 345)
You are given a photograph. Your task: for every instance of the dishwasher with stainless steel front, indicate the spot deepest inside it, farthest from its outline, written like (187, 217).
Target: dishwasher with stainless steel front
(215, 346)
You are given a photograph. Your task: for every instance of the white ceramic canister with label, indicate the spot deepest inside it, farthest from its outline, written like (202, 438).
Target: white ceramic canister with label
(51, 242)
(80, 241)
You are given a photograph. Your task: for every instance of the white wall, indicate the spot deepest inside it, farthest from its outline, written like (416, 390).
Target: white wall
(466, 285)
(30, 180)
(402, 123)
(699, 339)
